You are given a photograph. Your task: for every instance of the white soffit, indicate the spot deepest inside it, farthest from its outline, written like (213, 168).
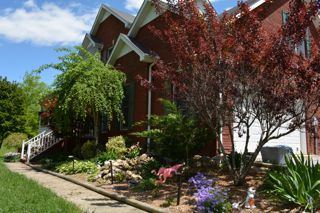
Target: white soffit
(124, 46)
(146, 14)
(257, 4)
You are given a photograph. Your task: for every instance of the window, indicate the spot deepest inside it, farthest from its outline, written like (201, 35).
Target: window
(304, 48)
(285, 16)
(103, 124)
(109, 51)
(106, 54)
(128, 106)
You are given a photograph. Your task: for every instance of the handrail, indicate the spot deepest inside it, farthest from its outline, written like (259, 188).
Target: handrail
(35, 137)
(38, 144)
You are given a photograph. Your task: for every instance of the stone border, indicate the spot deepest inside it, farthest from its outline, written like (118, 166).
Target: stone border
(114, 196)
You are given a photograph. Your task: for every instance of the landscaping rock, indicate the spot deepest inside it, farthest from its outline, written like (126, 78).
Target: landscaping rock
(204, 163)
(144, 158)
(129, 168)
(132, 176)
(11, 157)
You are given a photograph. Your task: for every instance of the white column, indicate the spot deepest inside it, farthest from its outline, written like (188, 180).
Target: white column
(28, 153)
(22, 150)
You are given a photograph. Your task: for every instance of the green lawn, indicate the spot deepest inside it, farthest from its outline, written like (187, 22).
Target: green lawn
(21, 195)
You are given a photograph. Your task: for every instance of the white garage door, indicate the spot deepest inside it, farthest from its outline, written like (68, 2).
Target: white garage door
(292, 140)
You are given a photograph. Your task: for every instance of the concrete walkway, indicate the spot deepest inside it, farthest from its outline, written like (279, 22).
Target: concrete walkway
(85, 199)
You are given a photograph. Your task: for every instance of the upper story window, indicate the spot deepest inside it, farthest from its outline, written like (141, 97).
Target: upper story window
(105, 55)
(304, 48)
(109, 51)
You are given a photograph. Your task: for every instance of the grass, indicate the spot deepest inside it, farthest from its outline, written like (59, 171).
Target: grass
(19, 194)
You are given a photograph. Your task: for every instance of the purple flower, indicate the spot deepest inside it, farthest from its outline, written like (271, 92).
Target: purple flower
(210, 198)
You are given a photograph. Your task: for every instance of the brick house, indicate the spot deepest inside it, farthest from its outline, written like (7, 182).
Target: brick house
(127, 43)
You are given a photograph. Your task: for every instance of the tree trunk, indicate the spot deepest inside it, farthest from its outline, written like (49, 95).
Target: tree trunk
(247, 164)
(96, 128)
(239, 180)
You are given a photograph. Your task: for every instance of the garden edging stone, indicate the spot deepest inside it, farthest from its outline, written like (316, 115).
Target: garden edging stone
(115, 196)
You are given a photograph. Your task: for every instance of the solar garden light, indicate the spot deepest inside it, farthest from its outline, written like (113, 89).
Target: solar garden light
(179, 188)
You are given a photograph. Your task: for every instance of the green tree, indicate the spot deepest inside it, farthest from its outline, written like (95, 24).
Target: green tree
(11, 108)
(176, 135)
(34, 91)
(87, 87)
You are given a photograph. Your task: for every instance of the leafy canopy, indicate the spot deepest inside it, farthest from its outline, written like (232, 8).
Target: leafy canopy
(176, 136)
(87, 86)
(11, 108)
(33, 92)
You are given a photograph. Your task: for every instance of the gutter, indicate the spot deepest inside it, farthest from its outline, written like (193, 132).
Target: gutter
(149, 104)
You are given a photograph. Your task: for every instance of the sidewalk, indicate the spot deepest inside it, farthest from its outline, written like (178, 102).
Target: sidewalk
(85, 199)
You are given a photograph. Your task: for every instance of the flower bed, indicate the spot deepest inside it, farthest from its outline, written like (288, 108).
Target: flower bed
(203, 196)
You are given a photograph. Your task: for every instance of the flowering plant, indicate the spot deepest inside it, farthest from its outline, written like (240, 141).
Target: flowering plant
(210, 197)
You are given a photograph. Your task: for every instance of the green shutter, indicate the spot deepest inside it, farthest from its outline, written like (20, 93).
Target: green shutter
(131, 94)
(285, 16)
(308, 44)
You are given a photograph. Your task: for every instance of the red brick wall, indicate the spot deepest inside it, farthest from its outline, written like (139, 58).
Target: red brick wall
(271, 13)
(151, 41)
(226, 139)
(109, 30)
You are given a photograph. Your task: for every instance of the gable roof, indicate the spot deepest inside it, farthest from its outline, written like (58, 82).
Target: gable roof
(125, 45)
(105, 12)
(91, 44)
(146, 13)
(123, 15)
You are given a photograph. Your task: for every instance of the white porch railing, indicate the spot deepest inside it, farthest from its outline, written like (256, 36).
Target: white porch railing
(37, 145)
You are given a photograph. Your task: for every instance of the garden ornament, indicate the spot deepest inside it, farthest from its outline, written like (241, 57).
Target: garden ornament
(249, 203)
(165, 173)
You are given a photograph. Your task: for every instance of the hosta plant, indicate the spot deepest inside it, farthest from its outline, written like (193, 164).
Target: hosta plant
(299, 183)
(77, 167)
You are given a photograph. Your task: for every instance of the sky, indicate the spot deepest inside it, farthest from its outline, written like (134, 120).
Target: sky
(31, 30)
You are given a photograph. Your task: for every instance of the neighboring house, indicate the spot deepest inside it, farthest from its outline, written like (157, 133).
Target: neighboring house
(128, 43)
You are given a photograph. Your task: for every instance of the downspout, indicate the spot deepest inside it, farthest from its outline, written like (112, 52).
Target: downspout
(315, 124)
(220, 127)
(149, 104)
